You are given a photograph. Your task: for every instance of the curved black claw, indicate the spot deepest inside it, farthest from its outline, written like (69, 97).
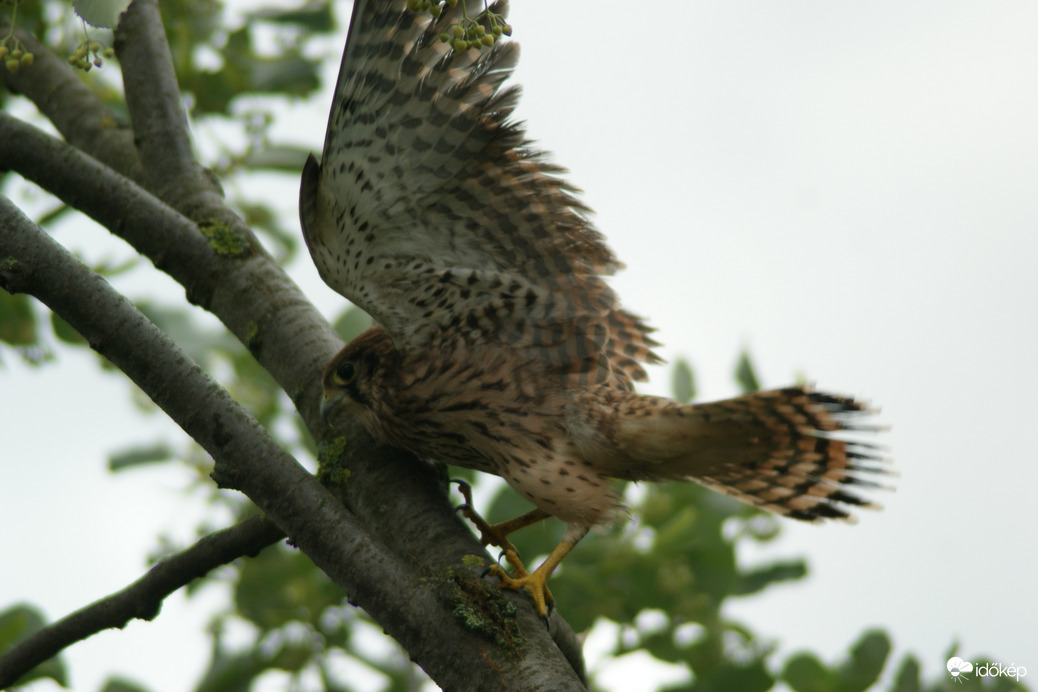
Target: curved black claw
(487, 569)
(464, 488)
(466, 492)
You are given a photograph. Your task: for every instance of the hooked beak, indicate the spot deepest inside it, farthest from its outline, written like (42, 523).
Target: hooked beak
(328, 405)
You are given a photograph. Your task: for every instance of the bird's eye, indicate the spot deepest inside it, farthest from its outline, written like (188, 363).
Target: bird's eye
(346, 372)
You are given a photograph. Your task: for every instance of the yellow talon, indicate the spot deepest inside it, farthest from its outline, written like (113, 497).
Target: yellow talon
(535, 582)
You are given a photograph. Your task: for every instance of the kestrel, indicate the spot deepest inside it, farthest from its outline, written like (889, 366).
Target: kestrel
(500, 347)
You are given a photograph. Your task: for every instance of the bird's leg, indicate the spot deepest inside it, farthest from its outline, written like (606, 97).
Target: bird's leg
(496, 534)
(536, 582)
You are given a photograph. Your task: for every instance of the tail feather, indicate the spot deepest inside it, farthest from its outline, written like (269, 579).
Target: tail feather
(790, 451)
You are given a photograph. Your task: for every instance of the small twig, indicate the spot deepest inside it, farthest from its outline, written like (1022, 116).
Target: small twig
(142, 599)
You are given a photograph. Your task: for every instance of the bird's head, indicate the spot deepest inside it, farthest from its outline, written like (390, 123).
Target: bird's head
(353, 382)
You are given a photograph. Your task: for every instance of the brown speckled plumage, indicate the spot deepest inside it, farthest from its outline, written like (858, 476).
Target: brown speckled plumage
(500, 346)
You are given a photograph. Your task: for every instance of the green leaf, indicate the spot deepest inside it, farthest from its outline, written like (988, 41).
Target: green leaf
(53, 215)
(139, 456)
(183, 326)
(118, 684)
(351, 323)
(279, 586)
(64, 331)
(289, 74)
(19, 622)
(232, 672)
(661, 645)
(246, 72)
(759, 579)
(315, 17)
(17, 321)
(103, 14)
(254, 386)
(682, 381)
(293, 656)
(110, 266)
(805, 673)
(745, 375)
(868, 656)
(907, 679)
(745, 678)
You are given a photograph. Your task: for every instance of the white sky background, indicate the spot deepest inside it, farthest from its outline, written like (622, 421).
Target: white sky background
(848, 189)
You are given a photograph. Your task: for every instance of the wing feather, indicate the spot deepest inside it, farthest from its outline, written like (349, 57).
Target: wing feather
(432, 211)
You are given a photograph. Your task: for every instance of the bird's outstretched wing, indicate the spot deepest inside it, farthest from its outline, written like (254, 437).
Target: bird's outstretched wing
(431, 211)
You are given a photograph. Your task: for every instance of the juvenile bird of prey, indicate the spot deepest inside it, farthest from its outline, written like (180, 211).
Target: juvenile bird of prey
(500, 347)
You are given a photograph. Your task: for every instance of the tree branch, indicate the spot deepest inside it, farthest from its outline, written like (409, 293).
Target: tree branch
(143, 598)
(416, 606)
(159, 121)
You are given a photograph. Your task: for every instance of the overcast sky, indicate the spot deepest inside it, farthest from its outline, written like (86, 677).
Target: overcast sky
(847, 189)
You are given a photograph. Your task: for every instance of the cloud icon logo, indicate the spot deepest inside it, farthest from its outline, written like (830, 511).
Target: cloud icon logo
(957, 668)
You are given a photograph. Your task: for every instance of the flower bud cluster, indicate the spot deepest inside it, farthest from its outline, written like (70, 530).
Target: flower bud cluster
(474, 33)
(15, 59)
(88, 54)
(13, 55)
(483, 31)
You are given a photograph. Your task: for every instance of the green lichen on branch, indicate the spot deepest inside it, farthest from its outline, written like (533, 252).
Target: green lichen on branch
(482, 607)
(329, 471)
(252, 335)
(224, 239)
(471, 560)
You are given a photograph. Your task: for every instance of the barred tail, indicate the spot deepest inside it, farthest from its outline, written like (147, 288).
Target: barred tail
(791, 451)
